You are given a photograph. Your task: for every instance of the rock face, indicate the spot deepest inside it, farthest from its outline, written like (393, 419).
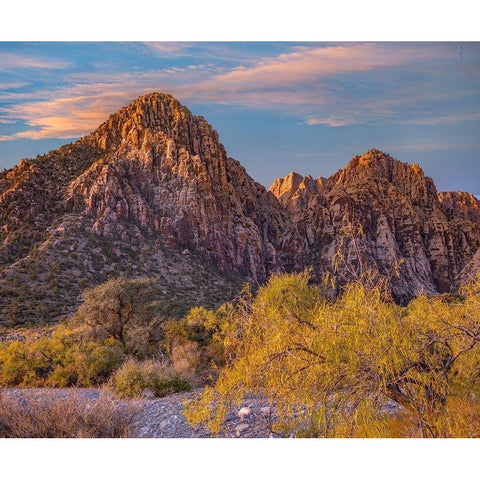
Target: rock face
(471, 270)
(294, 191)
(400, 222)
(460, 204)
(152, 192)
(171, 178)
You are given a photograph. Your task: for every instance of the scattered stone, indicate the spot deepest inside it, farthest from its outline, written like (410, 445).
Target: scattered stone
(244, 412)
(265, 410)
(147, 393)
(164, 424)
(163, 417)
(241, 427)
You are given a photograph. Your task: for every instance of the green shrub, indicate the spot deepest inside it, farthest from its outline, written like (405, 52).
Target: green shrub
(65, 359)
(133, 377)
(330, 367)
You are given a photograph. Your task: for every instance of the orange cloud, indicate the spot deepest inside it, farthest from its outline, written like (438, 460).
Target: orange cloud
(10, 61)
(306, 82)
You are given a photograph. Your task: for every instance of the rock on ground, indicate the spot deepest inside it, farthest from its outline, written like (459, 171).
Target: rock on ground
(162, 417)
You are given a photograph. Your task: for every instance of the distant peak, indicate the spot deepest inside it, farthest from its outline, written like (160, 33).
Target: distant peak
(376, 155)
(292, 179)
(379, 160)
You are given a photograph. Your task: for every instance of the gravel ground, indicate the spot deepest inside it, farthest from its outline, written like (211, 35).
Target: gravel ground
(163, 417)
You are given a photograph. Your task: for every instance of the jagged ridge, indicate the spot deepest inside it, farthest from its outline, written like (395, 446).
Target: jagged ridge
(154, 180)
(404, 222)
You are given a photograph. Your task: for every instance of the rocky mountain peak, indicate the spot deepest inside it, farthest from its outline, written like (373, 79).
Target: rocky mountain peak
(287, 185)
(462, 204)
(166, 174)
(378, 167)
(294, 191)
(151, 119)
(154, 181)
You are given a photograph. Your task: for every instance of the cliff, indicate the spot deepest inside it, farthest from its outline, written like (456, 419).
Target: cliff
(152, 192)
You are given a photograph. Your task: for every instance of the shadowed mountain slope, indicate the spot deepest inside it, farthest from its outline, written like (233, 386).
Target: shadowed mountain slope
(152, 192)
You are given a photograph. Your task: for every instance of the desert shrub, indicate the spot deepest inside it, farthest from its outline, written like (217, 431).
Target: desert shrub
(208, 328)
(202, 323)
(127, 310)
(133, 377)
(188, 361)
(94, 343)
(73, 417)
(90, 364)
(196, 343)
(330, 366)
(176, 330)
(64, 359)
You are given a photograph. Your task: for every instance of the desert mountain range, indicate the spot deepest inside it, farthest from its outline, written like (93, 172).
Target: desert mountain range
(152, 192)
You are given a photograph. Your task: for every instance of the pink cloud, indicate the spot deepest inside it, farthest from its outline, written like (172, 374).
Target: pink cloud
(164, 49)
(302, 82)
(310, 64)
(10, 61)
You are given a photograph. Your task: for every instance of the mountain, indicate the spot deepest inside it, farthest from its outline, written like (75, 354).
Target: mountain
(152, 192)
(406, 226)
(460, 204)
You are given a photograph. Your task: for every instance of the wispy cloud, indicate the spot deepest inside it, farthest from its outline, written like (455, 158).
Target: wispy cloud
(169, 49)
(11, 61)
(12, 85)
(334, 85)
(444, 119)
(62, 118)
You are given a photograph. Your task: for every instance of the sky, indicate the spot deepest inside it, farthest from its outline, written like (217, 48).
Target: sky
(278, 106)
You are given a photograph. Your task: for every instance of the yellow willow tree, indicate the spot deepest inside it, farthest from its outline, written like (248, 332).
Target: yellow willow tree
(329, 368)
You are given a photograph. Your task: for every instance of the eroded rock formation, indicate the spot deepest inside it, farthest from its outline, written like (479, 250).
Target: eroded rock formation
(155, 179)
(404, 223)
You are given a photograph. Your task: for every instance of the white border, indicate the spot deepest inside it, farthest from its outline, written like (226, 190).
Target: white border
(205, 20)
(248, 20)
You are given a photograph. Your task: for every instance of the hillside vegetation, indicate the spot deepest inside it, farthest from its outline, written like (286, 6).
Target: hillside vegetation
(327, 367)
(124, 338)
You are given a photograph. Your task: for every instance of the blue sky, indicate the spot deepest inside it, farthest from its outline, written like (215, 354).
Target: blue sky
(278, 107)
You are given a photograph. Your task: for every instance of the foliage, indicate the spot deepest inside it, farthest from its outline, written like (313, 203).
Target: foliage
(64, 359)
(119, 318)
(330, 367)
(197, 341)
(63, 418)
(124, 309)
(133, 377)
